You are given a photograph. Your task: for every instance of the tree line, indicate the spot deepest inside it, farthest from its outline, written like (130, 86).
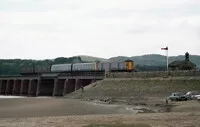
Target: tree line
(14, 66)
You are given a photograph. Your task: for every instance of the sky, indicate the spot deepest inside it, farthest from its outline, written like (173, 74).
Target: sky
(46, 29)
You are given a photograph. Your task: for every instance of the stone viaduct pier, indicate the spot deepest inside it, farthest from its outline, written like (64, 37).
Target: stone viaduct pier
(45, 84)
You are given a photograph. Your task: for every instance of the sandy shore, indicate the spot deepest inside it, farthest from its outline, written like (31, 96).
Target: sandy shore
(37, 107)
(60, 112)
(153, 119)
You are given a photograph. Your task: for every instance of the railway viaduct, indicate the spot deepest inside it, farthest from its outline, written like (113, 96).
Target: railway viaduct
(45, 84)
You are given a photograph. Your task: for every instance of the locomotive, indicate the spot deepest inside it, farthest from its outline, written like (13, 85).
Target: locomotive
(125, 66)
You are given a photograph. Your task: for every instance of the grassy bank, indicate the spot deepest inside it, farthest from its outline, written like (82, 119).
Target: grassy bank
(130, 87)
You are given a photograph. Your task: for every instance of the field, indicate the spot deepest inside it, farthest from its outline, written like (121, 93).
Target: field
(108, 103)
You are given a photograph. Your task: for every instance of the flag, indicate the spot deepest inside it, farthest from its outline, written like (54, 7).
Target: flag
(164, 48)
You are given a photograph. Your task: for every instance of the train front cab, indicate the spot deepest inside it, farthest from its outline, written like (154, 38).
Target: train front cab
(129, 65)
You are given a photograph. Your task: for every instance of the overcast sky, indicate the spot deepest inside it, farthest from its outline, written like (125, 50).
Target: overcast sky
(41, 29)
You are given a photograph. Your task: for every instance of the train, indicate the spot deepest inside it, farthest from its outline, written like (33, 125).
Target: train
(124, 66)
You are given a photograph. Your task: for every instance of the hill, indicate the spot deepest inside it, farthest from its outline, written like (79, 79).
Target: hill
(119, 58)
(156, 59)
(151, 62)
(13, 66)
(91, 58)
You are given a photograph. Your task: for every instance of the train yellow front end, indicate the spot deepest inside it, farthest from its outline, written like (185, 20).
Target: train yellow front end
(129, 65)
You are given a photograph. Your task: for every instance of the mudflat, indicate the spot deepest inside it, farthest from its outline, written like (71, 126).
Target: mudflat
(107, 102)
(62, 112)
(153, 119)
(37, 107)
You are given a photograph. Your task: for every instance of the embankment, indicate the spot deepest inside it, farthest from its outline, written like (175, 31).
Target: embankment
(137, 87)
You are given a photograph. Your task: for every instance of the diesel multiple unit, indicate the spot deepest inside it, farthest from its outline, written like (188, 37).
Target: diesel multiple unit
(126, 66)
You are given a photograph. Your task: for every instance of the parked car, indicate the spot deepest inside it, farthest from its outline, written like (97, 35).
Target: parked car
(192, 94)
(178, 96)
(197, 97)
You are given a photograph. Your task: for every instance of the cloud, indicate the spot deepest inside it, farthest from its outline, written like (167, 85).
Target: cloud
(47, 28)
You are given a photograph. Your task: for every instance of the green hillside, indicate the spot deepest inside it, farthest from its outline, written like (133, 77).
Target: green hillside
(135, 87)
(91, 58)
(151, 62)
(13, 66)
(119, 58)
(156, 60)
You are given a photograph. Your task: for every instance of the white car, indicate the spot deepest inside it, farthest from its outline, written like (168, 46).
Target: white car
(192, 94)
(197, 97)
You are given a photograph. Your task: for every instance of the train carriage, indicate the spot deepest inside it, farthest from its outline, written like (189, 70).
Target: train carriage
(61, 68)
(84, 67)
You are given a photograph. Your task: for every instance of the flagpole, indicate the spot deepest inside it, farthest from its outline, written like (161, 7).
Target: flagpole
(167, 58)
(166, 48)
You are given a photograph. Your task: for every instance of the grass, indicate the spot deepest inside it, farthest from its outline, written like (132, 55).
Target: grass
(122, 88)
(118, 125)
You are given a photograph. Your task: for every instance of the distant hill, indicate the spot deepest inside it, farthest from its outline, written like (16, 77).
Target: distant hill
(91, 58)
(119, 58)
(13, 66)
(151, 62)
(156, 60)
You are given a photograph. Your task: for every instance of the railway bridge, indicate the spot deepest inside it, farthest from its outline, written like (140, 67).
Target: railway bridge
(46, 84)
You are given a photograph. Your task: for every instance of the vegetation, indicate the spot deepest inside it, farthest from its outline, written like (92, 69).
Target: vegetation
(13, 66)
(140, 68)
(157, 60)
(143, 63)
(91, 58)
(126, 88)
